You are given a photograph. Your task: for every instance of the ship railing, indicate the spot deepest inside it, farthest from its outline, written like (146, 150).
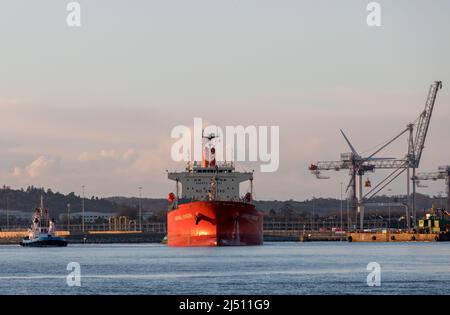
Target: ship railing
(14, 228)
(221, 165)
(291, 227)
(153, 227)
(319, 225)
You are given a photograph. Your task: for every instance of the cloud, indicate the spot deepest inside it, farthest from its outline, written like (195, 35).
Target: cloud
(37, 167)
(83, 156)
(37, 171)
(129, 154)
(115, 162)
(17, 172)
(108, 154)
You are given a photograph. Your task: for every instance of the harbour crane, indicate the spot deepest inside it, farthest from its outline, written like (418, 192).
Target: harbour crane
(358, 165)
(442, 173)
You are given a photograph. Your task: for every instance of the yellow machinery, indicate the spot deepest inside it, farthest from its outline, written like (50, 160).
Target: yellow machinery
(435, 223)
(121, 223)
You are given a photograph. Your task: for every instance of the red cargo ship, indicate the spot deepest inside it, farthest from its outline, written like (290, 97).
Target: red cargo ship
(210, 211)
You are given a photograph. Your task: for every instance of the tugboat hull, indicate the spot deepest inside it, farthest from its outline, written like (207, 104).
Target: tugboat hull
(215, 223)
(44, 241)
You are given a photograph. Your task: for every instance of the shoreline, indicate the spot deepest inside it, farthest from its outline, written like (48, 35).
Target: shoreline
(136, 237)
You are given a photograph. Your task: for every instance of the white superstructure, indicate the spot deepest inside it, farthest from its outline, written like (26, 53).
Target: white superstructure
(208, 180)
(213, 182)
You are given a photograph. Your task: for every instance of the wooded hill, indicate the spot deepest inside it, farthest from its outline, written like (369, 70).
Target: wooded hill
(28, 199)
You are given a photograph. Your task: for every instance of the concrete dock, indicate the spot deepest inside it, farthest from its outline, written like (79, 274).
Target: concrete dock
(396, 237)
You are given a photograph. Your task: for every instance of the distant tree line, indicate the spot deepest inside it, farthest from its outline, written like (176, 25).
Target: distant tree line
(30, 198)
(155, 210)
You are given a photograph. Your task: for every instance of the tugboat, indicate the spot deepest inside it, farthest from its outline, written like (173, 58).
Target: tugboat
(42, 231)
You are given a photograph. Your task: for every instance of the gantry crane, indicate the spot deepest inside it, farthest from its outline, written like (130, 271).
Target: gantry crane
(358, 165)
(442, 173)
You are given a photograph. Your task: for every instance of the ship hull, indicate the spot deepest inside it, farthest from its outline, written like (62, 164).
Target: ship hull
(44, 241)
(215, 223)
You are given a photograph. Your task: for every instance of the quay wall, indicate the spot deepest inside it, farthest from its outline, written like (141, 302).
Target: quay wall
(397, 237)
(109, 237)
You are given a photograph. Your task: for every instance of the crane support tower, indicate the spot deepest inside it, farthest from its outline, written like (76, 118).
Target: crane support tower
(442, 173)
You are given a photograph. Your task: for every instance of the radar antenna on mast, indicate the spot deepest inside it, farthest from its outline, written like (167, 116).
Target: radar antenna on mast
(209, 136)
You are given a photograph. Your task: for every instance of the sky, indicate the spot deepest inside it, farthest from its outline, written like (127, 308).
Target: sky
(95, 105)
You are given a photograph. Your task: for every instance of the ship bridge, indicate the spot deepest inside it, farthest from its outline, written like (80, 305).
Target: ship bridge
(210, 179)
(217, 182)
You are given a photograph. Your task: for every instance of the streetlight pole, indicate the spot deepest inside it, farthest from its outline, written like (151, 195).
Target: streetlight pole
(140, 208)
(82, 209)
(313, 212)
(7, 214)
(389, 220)
(440, 194)
(68, 217)
(341, 208)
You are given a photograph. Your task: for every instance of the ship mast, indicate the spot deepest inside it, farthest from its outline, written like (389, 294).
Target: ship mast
(208, 157)
(42, 212)
(209, 160)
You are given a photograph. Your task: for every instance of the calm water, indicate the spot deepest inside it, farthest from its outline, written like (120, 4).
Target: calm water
(275, 268)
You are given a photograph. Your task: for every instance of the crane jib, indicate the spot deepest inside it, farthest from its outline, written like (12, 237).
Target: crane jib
(424, 122)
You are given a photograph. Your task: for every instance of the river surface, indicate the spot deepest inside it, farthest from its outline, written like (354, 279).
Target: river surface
(275, 268)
